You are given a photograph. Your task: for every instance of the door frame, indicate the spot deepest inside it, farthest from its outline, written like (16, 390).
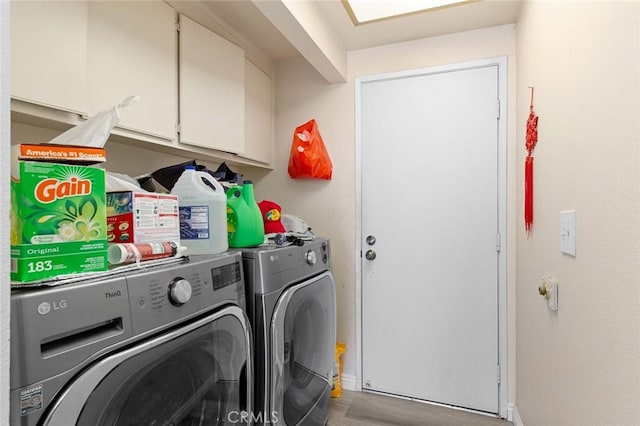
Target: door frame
(501, 63)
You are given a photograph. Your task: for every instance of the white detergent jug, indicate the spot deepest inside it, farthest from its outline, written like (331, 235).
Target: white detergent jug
(203, 213)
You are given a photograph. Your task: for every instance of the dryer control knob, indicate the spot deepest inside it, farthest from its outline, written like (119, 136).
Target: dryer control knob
(311, 257)
(179, 291)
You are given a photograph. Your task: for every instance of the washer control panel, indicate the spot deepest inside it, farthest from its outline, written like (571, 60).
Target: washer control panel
(285, 264)
(165, 295)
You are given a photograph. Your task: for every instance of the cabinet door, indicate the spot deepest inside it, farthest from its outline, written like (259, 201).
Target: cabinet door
(258, 125)
(211, 89)
(133, 51)
(48, 53)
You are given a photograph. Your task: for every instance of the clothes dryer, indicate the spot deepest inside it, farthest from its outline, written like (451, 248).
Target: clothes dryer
(292, 307)
(166, 344)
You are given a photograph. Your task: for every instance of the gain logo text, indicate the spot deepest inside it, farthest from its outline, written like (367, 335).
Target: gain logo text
(50, 190)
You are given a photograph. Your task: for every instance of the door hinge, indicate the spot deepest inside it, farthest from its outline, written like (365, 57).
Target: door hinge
(178, 25)
(498, 247)
(499, 377)
(498, 109)
(178, 128)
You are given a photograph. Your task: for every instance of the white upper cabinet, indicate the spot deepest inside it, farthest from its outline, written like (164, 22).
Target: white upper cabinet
(132, 50)
(211, 89)
(258, 125)
(201, 95)
(48, 53)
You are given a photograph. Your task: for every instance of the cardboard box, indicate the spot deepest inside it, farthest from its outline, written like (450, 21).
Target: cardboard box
(58, 220)
(142, 217)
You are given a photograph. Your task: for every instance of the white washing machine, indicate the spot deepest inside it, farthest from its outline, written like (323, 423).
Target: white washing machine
(161, 345)
(292, 307)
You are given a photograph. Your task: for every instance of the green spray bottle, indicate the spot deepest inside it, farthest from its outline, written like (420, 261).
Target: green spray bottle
(245, 227)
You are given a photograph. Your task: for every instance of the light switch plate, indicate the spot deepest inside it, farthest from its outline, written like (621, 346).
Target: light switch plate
(568, 232)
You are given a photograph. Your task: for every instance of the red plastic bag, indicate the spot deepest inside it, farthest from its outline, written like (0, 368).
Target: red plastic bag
(309, 157)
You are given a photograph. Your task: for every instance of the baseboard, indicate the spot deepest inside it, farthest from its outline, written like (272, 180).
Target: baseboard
(349, 382)
(513, 415)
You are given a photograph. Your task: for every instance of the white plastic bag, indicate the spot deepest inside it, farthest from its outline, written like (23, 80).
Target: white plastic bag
(121, 182)
(96, 130)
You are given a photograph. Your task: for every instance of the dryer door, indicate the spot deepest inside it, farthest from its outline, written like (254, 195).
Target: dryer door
(196, 374)
(303, 336)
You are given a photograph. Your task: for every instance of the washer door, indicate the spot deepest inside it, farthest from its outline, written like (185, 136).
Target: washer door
(194, 375)
(303, 336)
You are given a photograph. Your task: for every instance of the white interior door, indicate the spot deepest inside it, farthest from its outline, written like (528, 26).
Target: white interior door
(429, 163)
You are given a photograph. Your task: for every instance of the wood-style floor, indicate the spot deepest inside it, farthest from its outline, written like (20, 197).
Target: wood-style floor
(364, 408)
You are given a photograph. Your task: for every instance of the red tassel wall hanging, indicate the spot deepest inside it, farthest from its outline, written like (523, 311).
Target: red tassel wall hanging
(531, 140)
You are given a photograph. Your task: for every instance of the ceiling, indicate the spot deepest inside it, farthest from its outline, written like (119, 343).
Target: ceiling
(246, 18)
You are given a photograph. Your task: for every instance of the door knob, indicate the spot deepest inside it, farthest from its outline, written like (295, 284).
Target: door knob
(371, 240)
(544, 290)
(370, 255)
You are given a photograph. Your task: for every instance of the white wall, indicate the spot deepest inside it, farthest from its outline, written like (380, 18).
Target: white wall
(581, 365)
(4, 219)
(329, 207)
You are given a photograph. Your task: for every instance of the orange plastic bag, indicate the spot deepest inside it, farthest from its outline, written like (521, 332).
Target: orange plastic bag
(309, 157)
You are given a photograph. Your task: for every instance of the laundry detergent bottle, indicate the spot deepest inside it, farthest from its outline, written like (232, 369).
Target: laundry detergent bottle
(245, 227)
(202, 212)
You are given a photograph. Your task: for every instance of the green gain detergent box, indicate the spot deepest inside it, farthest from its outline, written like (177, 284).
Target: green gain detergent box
(58, 220)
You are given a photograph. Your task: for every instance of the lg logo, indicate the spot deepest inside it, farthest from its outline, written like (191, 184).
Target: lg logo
(46, 307)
